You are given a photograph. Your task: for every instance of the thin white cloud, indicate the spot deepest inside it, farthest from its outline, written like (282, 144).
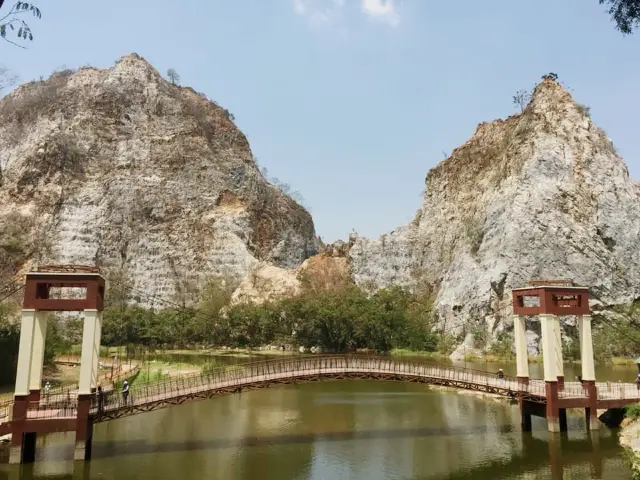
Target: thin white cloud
(319, 12)
(383, 10)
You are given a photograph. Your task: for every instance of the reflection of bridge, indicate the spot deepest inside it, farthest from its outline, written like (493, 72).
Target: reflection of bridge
(60, 412)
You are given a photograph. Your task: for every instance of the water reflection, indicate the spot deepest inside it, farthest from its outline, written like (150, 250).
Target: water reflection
(331, 430)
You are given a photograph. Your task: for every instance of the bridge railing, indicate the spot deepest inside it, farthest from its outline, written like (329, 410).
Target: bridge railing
(6, 409)
(617, 391)
(53, 406)
(573, 391)
(244, 374)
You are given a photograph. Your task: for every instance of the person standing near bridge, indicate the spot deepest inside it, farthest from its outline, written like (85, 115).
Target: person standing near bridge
(100, 399)
(125, 391)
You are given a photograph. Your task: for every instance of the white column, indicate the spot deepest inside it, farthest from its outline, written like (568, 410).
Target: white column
(520, 338)
(37, 351)
(91, 322)
(95, 370)
(548, 347)
(558, 347)
(23, 372)
(586, 348)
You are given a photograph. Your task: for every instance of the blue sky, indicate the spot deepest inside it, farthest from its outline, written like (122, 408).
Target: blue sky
(352, 101)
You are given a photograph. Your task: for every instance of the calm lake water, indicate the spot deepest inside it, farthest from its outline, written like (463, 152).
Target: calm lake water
(338, 430)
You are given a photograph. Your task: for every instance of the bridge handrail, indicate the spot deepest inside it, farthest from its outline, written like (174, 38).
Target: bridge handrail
(617, 391)
(242, 366)
(6, 409)
(56, 406)
(243, 374)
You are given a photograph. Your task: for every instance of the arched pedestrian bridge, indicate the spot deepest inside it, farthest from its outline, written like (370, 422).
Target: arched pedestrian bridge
(274, 372)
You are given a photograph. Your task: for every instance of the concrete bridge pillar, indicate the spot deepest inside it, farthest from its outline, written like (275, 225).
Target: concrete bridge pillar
(522, 356)
(90, 355)
(558, 352)
(37, 356)
(37, 302)
(549, 358)
(588, 371)
(33, 327)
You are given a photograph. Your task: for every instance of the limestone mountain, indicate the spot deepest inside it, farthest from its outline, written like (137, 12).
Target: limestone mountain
(122, 169)
(540, 195)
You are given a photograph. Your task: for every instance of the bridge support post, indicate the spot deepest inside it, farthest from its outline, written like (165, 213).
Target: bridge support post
(547, 323)
(588, 371)
(30, 355)
(586, 348)
(22, 448)
(25, 350)
(522, 357)
(558, 352)
(37, 356)
(84, 429)
(562, 417)
(91, 331)
(525, 415)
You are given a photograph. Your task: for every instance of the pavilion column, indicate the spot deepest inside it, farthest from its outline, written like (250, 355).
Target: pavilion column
(557, 331)
(550, 372)
(88, 378)
(90, 349)
(37, 355)
(95, 367)
(22, 449)
(520, 339)
(588, 371)
(23, 373)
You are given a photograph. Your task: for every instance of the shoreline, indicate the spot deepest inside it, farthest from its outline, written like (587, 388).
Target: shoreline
(629, 439)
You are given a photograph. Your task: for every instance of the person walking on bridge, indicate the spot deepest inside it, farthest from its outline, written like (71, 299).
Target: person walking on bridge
(125, 391)
(500, 374)
(100, 399)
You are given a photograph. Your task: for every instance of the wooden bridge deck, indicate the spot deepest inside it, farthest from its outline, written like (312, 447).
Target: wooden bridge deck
(178, 390)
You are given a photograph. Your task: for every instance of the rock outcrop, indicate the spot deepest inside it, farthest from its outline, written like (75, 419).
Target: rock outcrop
(155, 183)
(122, 169)
(540, 195)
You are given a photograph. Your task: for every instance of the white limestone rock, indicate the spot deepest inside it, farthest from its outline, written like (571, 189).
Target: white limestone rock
(121, 169)
(533, 343)
(542, 194)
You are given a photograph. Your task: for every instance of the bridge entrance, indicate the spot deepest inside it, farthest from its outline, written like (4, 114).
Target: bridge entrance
(548, 300)
(39, 299)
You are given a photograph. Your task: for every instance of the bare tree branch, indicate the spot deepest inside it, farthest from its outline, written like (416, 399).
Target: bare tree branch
(7, 79)
(12, 23)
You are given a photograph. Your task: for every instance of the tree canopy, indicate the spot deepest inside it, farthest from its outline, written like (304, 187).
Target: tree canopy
(625, 14)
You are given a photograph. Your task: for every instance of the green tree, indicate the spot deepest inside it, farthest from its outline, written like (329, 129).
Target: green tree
(12, 23)
(624, 13)
(9, 341)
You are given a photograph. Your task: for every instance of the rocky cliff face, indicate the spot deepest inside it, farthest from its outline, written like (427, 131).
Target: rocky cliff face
(121, 169)
(540, 195)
